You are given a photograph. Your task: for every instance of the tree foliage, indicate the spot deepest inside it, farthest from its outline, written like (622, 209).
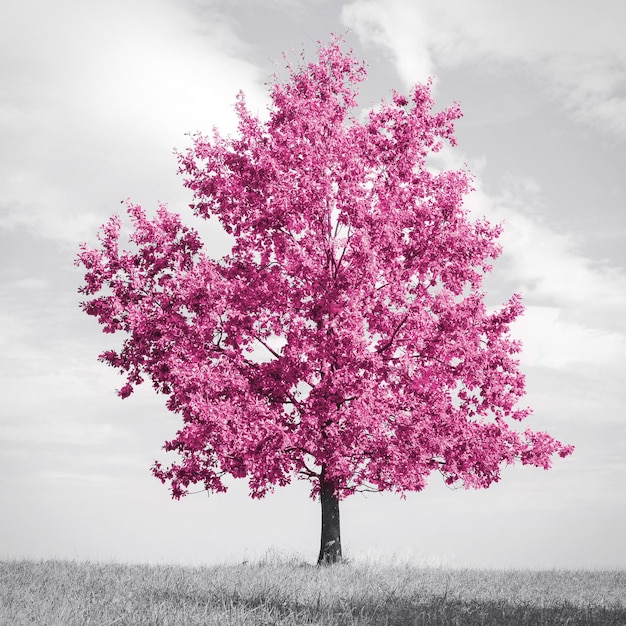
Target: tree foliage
(345, 338)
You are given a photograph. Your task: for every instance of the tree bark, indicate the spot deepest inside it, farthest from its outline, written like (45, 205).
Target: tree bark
(330, 548)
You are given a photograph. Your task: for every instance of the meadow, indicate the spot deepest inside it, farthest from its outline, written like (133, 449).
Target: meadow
(281, 591)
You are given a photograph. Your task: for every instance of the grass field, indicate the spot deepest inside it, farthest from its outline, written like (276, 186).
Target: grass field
(287, 591)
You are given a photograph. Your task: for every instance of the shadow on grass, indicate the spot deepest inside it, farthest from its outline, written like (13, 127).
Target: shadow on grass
(439, 611)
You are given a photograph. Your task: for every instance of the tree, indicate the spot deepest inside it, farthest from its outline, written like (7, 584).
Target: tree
(345, 338)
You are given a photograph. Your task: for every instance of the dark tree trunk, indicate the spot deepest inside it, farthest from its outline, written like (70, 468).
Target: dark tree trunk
(330, 548)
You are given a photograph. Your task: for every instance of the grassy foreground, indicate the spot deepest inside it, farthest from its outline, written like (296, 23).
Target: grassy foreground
(287, 591)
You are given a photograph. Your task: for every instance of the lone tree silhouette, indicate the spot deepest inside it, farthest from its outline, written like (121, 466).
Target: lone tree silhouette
(344, 340)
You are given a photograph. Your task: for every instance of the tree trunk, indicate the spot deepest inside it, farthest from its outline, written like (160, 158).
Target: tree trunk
(330, 548)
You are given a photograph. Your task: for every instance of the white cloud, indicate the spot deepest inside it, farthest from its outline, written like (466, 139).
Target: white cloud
(575, 308)
(378, 23)
(576, 48)
(548, 267)
(552, 342)
(57, 429)
(97, 95)
(74, 479)
(538, 258)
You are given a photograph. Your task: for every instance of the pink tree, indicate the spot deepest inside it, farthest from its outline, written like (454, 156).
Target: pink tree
(345, 338)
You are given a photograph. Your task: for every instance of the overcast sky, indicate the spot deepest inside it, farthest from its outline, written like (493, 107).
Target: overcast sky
(94, 97)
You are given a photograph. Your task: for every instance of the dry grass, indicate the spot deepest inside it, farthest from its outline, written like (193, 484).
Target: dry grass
(287, 591)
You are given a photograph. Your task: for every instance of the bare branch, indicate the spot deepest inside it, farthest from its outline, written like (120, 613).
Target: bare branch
(267, 347)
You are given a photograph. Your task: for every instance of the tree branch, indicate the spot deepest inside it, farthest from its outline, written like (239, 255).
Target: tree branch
(267, 347)
(393, 335)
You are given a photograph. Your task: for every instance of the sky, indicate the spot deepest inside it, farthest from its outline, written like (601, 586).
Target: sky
(95, 97)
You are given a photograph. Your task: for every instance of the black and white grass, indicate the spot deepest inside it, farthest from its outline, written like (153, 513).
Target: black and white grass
(288, 591)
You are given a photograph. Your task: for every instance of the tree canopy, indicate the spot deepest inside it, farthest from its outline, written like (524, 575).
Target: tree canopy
(345, 338)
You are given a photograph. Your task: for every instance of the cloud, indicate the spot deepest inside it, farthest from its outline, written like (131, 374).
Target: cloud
(575, 49)
(552, 342)
(575, 307)
(379, 24)
(96, 96)
(546, 263)
(74, 479)
(575, 311)
(575, 316)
